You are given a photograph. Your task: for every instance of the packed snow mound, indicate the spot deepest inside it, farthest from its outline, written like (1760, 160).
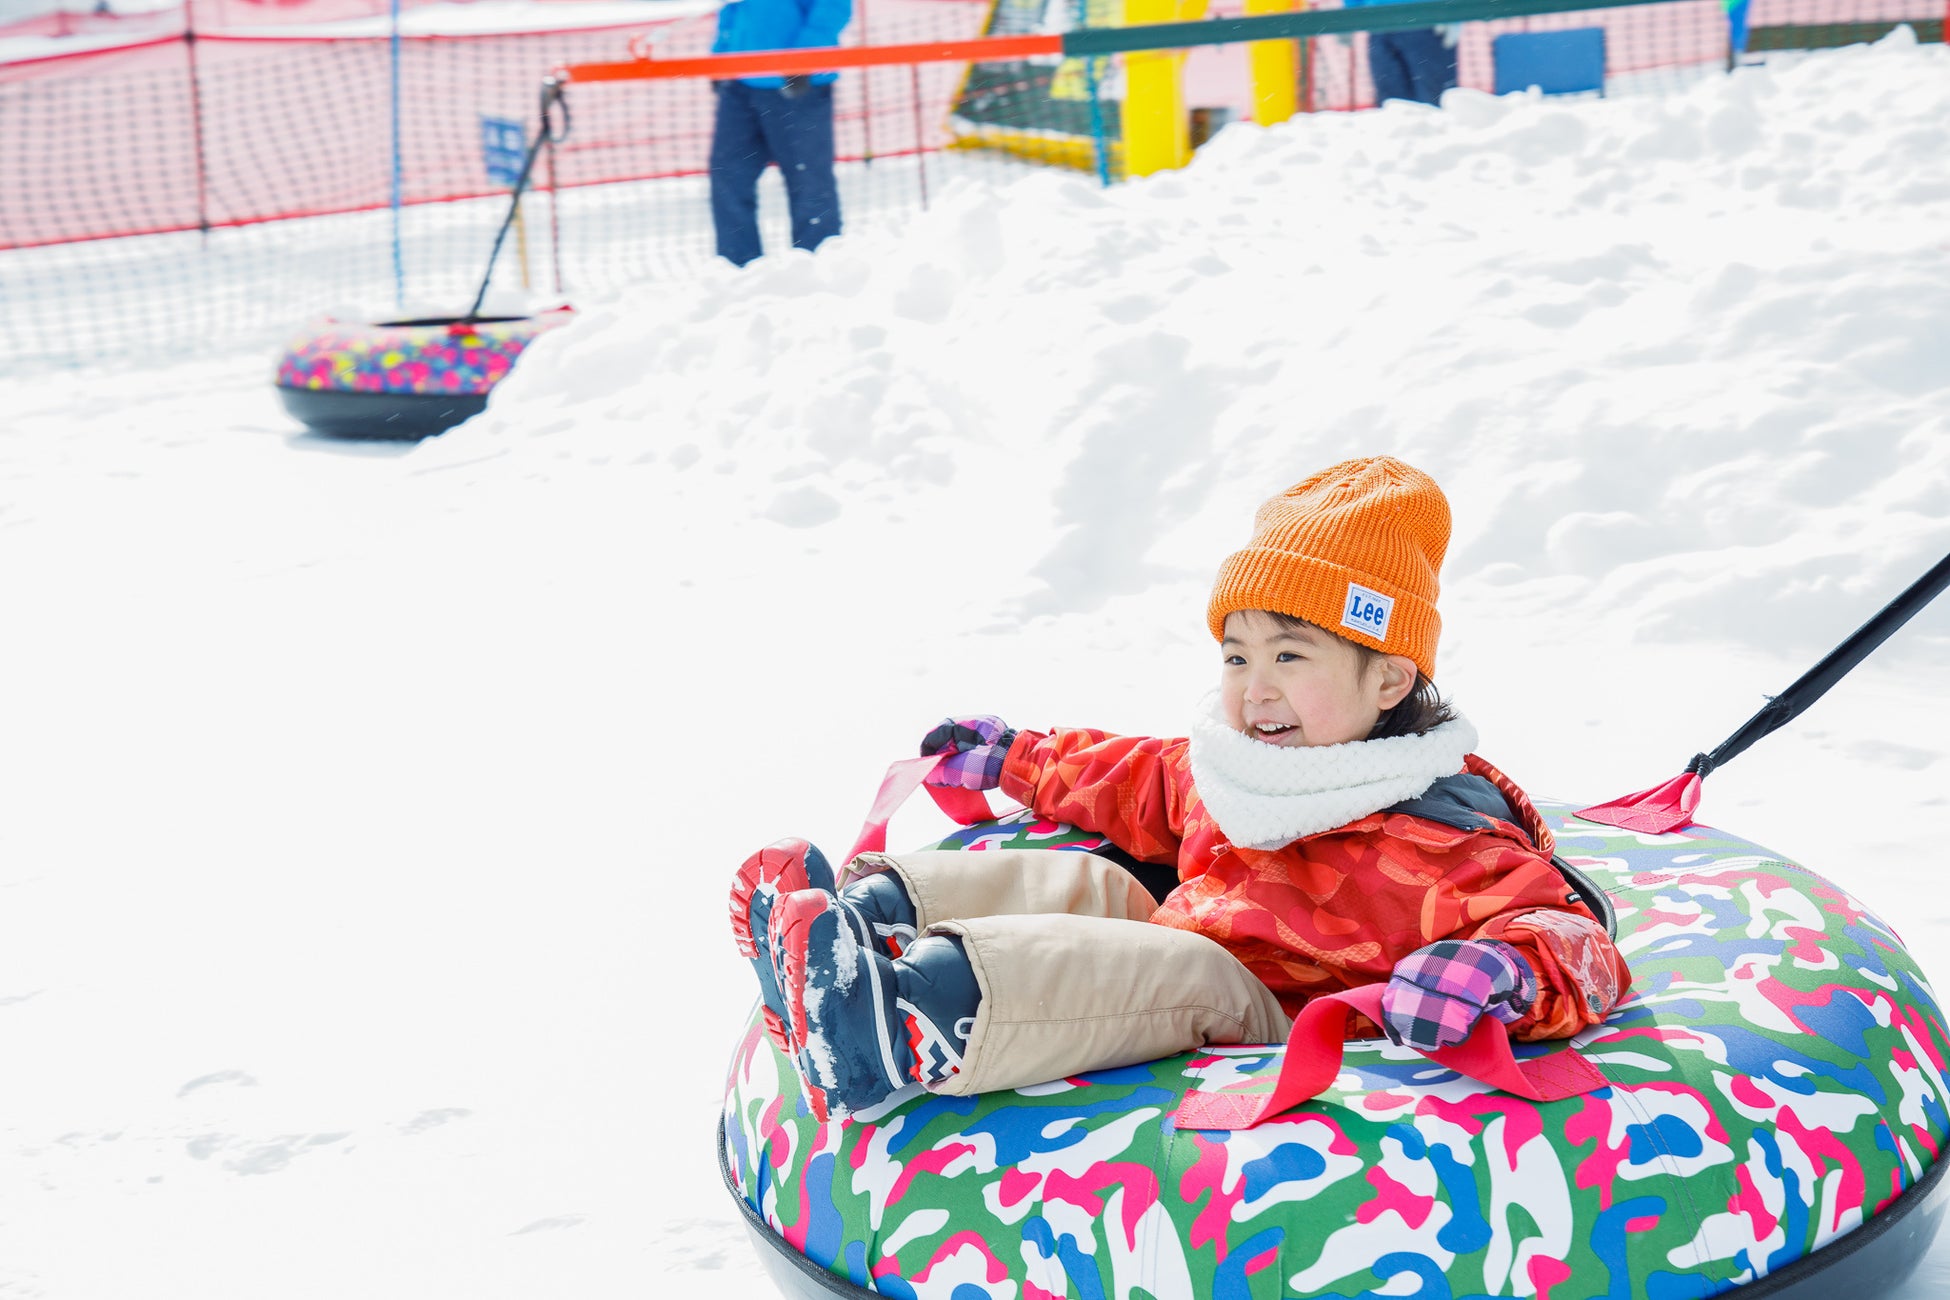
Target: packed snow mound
(1657, 289)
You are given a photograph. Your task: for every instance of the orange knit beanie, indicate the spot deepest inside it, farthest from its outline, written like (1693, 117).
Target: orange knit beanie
(1355, 550)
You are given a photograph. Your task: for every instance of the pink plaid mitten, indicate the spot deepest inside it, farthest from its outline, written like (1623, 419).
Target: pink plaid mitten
(975, 747)
(1437, 994)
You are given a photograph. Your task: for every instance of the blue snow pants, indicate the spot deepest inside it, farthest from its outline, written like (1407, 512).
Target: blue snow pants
(756, 127)
(1411, 65)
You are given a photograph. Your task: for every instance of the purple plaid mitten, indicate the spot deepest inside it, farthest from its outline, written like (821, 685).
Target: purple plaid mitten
(975, 746)
(1438, 993)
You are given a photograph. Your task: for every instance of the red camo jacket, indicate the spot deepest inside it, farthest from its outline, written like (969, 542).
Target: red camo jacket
(1334, 910)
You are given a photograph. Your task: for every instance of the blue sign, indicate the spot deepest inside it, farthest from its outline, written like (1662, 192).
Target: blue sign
(504, 148)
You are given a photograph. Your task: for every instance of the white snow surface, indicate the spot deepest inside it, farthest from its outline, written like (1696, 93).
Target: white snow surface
(370, 811)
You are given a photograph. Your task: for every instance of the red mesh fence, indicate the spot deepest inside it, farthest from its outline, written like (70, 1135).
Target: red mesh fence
(208, 146)
(223, 130)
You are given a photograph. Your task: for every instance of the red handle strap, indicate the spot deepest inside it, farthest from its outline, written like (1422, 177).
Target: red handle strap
(1658, 811)
(966, 807)
(1313, 1061)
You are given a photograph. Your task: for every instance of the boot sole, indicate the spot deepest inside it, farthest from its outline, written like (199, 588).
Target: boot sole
(791, 925)
(781, 869)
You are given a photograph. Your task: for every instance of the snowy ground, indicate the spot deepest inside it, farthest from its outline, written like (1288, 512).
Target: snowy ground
(370, 811)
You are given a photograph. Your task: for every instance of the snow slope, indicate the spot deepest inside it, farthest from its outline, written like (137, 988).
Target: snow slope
(370, 810)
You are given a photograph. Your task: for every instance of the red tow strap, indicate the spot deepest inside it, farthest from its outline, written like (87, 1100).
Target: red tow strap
(1659, 811)
(966, 807)
(1313, 1061)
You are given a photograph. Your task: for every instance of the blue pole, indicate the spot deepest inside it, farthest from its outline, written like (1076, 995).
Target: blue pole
(1097, 124)
(1736, 30)
(399, 261)
(1099, 145)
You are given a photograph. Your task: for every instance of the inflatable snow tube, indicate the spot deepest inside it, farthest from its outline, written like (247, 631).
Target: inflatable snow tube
(1775, 1105)
(402, 379)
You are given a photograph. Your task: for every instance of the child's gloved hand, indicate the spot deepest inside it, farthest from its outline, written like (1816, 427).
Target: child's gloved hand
(1437, 994)
(976, 747)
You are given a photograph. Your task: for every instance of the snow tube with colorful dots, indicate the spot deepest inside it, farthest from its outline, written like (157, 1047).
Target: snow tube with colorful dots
(401, 379)
(1770, 1125)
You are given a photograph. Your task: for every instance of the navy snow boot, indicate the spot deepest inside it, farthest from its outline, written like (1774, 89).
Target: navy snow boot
(882, 908)
(879, 903)
(864, 1025)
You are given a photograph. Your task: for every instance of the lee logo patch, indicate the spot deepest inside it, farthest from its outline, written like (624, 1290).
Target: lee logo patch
(1367, 611)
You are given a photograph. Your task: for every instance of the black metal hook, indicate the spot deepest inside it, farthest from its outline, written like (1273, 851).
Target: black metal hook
(554, 95)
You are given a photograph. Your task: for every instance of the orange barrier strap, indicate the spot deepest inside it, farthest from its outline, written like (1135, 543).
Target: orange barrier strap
(1091, 42)
(784, 63)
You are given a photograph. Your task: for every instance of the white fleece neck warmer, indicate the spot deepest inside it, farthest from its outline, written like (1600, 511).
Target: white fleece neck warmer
(1267, 796)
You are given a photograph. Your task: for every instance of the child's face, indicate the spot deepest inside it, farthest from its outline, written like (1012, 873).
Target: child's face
(1296, 686)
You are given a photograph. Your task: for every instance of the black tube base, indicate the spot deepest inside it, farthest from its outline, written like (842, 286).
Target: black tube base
(395, 417)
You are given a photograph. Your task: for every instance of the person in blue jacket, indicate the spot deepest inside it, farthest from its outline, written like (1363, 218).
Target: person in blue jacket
(1417, 64)
(783, 120)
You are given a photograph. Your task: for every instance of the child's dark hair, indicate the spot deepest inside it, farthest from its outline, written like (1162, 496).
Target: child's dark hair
(1422, 710)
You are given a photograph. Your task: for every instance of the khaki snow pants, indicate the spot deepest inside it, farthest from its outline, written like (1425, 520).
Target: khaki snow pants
(1073, 974)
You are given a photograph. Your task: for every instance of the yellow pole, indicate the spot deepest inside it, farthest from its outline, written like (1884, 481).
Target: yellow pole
(1275, 67)
(1157, 136)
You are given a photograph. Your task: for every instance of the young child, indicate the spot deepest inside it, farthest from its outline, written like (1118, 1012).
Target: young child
(1329, 825)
